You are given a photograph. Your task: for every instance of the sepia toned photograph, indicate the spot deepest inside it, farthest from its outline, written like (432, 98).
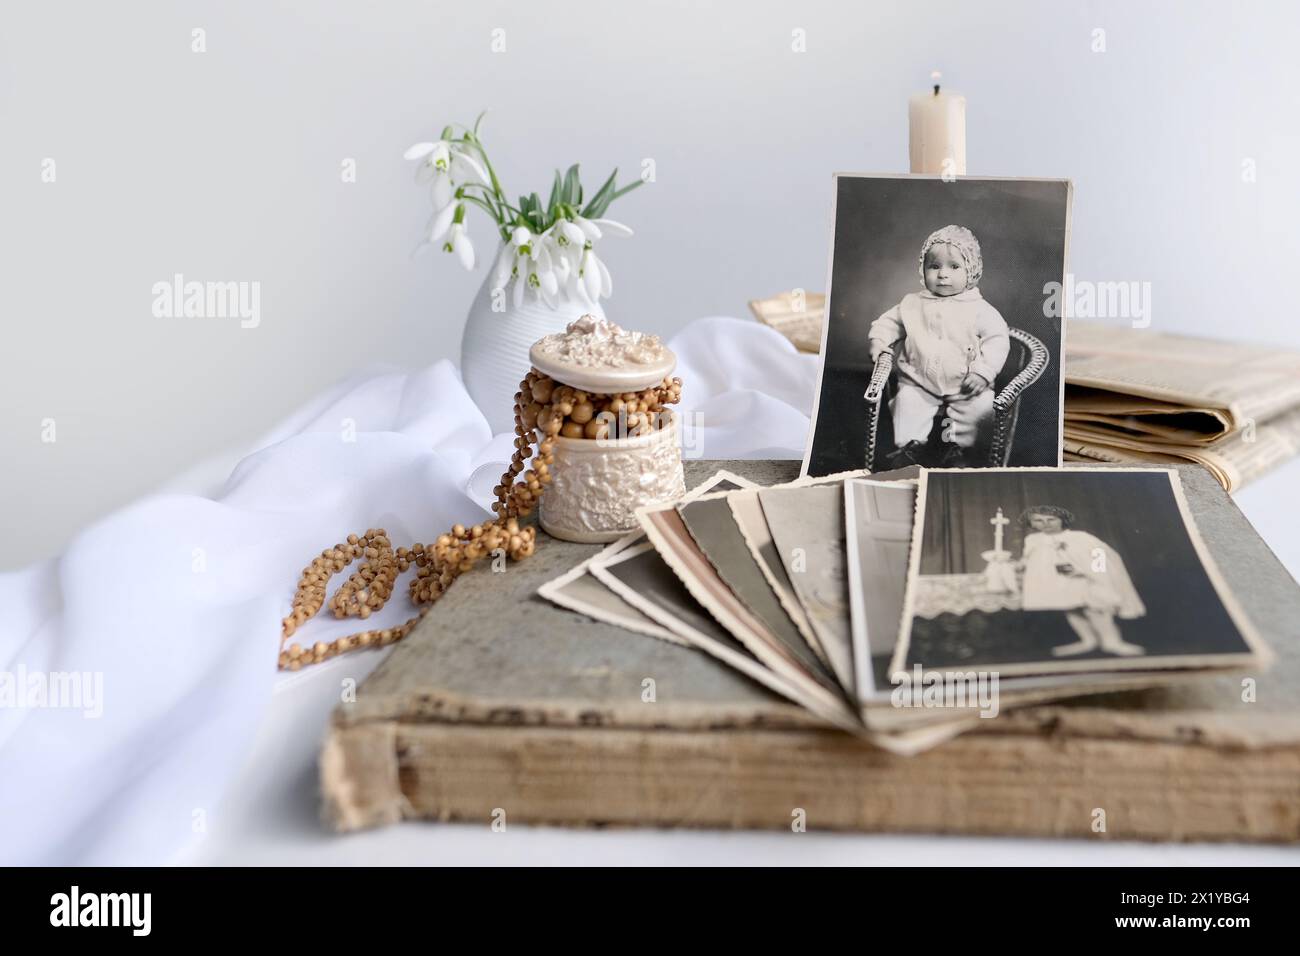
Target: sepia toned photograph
(667, 530)
(653, 582)
(878, 519)
(807, 525)
(749, 518)
(579, 590)
(940, 345)
(1054, 570)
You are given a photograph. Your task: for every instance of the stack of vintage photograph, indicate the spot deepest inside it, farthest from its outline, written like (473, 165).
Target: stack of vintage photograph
(908, 605)
(935, 564)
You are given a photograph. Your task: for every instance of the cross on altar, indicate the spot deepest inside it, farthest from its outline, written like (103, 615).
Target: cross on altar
(998, 521)
(999, 573)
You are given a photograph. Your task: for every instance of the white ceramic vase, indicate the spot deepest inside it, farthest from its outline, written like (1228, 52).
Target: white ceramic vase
(494, 348)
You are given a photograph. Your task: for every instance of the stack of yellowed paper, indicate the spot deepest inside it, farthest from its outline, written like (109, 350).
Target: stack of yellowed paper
(1134, 395)
(1140, 396)
(797, 315)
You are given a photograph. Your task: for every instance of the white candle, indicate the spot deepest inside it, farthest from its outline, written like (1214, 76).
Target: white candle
(937, 123)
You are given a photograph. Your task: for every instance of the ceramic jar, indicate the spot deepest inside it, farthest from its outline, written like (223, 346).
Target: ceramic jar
(597, 484)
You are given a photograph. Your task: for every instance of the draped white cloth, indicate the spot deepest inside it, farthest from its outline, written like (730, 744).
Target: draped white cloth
(157, 631)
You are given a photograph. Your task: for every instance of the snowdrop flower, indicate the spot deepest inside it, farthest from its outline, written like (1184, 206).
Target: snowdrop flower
(520, 237)
(534, 265)
(590, 280)
(526, 258)
(458, 242)
(565, 264)
(575, 255)
(539, 278)
(449, 223)
(440, 223)
(524, 244)
(447, 166)
(511, 262)
(593, 276)
(504, 270)
(568, 237)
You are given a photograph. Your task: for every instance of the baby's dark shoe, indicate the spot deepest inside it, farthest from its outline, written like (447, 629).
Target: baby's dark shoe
(913, 453)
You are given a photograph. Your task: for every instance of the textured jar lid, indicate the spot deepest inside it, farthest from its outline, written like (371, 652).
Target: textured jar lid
(596, 355)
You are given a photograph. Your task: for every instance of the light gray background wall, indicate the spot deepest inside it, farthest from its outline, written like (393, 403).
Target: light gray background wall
(226, 166)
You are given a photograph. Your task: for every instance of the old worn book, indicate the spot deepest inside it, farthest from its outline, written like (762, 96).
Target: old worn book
(500, 702)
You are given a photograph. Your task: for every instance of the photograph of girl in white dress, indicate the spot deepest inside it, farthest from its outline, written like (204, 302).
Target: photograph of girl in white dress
(1101, 571)
(1069, 570)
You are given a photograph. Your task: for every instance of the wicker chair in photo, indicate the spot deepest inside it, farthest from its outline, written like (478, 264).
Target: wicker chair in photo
(1026, 361)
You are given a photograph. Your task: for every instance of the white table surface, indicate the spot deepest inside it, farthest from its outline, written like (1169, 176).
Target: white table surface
(271, 813)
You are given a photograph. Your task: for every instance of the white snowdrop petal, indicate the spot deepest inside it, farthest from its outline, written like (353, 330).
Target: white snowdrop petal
(419, 150)
(468, 162)
(465, 251)
(501, 271)
(591, 280)
(606, 282)
(613, 228)
(442, 222)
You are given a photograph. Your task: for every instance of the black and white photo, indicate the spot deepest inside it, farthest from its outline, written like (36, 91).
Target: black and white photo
(1057, 570)
(941, 346)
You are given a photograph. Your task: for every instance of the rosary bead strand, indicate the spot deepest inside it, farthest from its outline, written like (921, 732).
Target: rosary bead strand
(543, 407)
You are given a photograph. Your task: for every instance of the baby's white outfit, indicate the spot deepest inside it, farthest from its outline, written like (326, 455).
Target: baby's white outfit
(936, 341)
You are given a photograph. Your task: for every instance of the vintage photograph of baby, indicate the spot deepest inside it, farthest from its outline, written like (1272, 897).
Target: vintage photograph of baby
(941, 346)
(1043, 570)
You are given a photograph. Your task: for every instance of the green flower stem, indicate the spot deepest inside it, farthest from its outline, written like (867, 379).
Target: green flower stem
(482, 205)
(499, 201)
(473, 140)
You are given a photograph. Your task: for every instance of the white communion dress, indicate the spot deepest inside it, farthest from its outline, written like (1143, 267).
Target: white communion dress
(1074, 570)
